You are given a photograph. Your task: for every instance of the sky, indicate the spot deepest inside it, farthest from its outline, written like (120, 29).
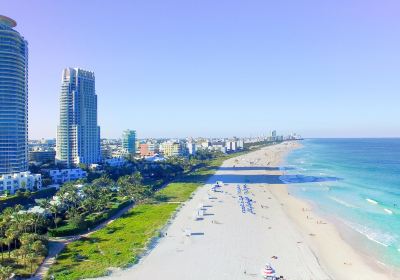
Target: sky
(221, 68)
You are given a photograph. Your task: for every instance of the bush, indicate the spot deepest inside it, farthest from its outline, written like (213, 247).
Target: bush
(25, 201)
(92, 220)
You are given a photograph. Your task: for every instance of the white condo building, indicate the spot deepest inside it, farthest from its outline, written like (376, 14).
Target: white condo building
(66, 175)
(10, 183)
(78, 135)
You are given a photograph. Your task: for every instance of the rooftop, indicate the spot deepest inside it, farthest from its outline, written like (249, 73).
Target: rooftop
(8, 21)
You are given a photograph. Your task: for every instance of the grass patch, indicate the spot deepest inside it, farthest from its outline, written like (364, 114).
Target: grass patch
(176, 192)
(116, 245)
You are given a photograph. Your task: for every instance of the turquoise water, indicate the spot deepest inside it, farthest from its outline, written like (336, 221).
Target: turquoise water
(357, 181)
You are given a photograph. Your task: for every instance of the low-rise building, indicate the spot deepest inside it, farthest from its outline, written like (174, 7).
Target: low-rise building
(171, 149)
(60, 176)
(116, 162)
(10, 183)
(191, 147)
(147, 149)
(155, 158)
(42, 156)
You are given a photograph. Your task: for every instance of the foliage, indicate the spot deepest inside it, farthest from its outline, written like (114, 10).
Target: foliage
(116, 245)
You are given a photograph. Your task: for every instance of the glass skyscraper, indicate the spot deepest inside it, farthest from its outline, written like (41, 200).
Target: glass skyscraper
(129, 141)
(78, 135)
(13, 99)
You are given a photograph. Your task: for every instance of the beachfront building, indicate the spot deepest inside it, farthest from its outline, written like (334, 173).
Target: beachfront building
(129, 142)
(60, 176)
(231, 146)
(78, 135)
(13, 99)
(10, 183)
(171, 149)
(14, 111)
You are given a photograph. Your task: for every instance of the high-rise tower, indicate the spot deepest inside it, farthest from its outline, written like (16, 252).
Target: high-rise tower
(78, 135)
(13, 99)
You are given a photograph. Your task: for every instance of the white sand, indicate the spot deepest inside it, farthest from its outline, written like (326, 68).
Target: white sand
(228, 244)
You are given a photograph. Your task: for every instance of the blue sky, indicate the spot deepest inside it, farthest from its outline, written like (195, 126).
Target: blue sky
(219, 68)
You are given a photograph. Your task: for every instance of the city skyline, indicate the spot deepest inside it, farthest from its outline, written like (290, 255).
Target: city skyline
(221, 66)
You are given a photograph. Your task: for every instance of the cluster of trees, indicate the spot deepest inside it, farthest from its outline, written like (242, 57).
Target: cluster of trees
(75, 202)
(21, 238)
(22, 233)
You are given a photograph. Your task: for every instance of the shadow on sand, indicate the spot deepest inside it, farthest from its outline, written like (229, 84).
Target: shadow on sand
(269, 179)
(249, 168)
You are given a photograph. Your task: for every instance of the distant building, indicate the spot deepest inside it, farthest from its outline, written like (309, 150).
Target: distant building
(66, 175)
(12, 182)
(42, 156)
(137, 146)
(147, 149)
(205, 144)
(171, 149)
(78, 135)
(191, 147)
(116, 162)
(106, 152)
(129, 141)
(231, 146)
(240, 144)
(155, 158)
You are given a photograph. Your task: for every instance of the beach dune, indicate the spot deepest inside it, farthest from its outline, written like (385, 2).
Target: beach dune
(214, 236)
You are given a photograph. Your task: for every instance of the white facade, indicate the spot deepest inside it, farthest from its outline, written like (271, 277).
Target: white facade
(191, 148)
(15, 181)
(240, 144)
(78, 135)
(66, 175)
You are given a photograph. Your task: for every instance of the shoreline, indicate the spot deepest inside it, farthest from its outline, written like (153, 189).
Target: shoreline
(227, 244)
(325, 236)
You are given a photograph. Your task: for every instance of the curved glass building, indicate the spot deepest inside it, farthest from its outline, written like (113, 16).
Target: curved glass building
(13, 98)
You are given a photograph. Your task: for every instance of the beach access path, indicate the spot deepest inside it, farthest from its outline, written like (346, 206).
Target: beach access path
(57, 244)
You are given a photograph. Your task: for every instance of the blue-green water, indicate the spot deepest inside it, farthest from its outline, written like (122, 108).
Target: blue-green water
(358, 183)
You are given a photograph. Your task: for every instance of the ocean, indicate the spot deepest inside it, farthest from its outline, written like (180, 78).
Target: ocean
(355, 183)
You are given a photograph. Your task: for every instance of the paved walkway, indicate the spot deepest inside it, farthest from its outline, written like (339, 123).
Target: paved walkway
(57, 244)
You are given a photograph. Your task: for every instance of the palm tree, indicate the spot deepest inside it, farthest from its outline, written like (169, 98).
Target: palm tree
(11, 236)
(26, 240)
(54, 210)
(5, 272)
(3, 241)
(31, 258)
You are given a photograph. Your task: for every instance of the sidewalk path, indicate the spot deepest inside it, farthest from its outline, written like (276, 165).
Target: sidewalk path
(57, 244)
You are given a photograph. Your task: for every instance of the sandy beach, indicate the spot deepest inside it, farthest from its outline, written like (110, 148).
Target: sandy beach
(212, 237)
